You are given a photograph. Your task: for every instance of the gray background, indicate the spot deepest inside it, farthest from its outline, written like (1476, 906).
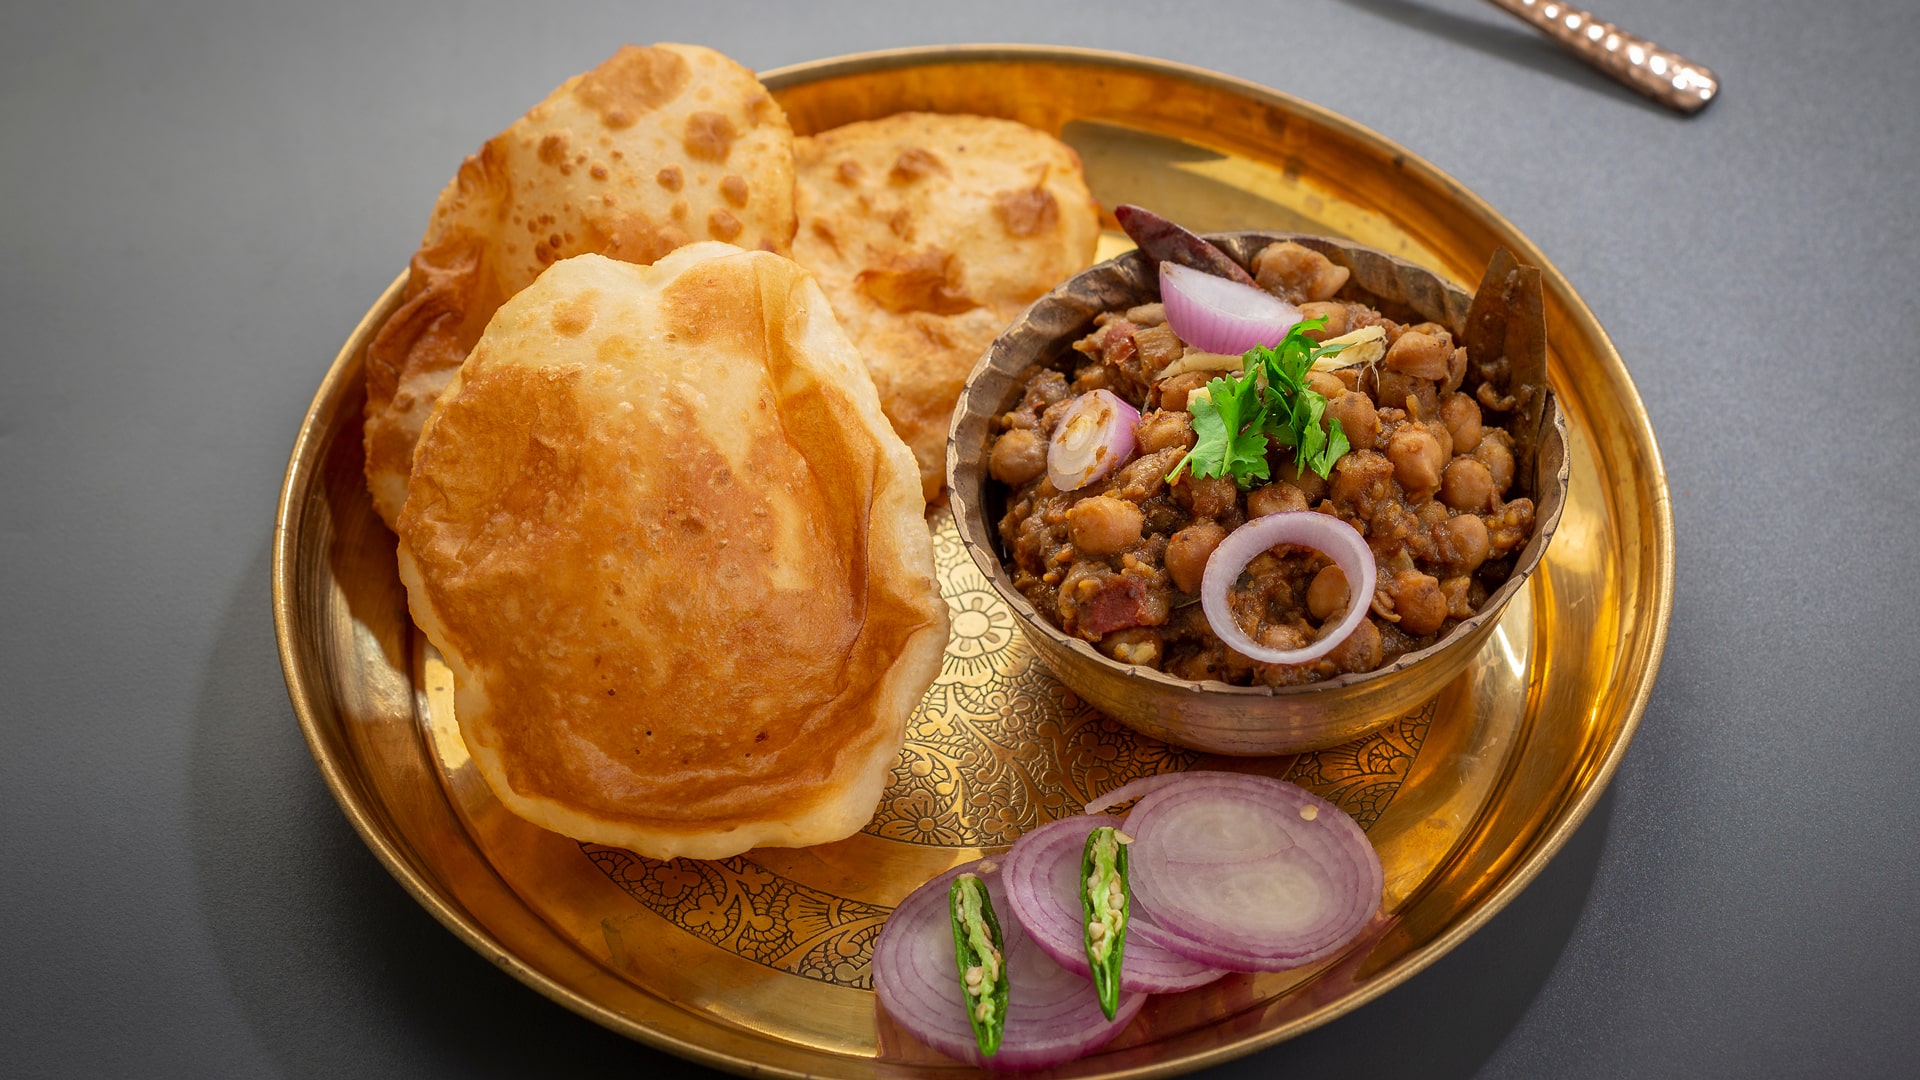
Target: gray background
(198, 201)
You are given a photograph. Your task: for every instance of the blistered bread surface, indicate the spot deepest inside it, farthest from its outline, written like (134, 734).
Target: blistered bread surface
(675, 557)
(658, 147)
(930, 233)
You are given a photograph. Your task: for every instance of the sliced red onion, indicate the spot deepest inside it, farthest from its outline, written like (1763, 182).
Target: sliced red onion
(1281, 909)
(1053, 1015)
(1042, 877)
(1324, 533)
(1093, 439)
(1215, 315)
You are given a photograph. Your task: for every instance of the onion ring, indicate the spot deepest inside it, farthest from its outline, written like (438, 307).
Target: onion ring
(1302, 528)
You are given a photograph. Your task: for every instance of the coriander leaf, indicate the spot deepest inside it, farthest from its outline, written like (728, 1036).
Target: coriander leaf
(1337, 447)
(1311, 438)
(1292, 411)
(1227, 423)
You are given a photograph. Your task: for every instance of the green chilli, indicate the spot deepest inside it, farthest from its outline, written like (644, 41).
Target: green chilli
(1103, 901)
(978, 951)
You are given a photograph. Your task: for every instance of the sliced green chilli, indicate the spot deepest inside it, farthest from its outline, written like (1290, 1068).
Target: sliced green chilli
(981, 957)
(1104, 902)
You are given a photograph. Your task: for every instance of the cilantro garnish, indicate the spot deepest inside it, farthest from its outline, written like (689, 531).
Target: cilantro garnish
(1235, 419)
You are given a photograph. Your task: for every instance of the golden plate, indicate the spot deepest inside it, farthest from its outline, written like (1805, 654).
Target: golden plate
(760, 963)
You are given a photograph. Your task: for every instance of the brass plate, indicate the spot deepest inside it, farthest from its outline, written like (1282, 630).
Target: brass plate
(760, 963)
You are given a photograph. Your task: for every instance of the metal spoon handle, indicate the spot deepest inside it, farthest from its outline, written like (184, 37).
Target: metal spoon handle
(1665, 76)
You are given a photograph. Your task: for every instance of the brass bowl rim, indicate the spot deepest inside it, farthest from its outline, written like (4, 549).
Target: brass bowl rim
(359, 806)
(993, 567)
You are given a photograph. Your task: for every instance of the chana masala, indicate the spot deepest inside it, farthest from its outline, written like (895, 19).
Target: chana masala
(1427, 478)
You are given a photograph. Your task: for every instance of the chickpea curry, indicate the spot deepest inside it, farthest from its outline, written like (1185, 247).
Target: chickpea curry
(1419, 466)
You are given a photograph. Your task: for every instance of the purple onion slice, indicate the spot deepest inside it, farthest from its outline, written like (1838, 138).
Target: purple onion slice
(1205, 869)
(1094, 438)
(1042, 878)
(1053, 1015)
(1220, 316)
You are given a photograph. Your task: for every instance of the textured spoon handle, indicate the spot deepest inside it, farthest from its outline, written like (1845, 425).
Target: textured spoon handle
(1666, 77)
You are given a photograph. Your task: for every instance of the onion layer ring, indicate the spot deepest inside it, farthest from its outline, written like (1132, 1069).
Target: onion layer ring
(1324, 533)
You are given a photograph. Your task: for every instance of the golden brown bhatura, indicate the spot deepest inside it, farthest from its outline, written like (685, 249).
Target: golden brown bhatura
(930, 232)
(657, 147)
(675, 557)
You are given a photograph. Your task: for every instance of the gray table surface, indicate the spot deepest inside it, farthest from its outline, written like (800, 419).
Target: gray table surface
(198, 201)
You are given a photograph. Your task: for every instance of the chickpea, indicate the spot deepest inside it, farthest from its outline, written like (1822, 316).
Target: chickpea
(1356, 474)
(1510, 528)
(1163, 428)
(1422, 356)
(1282, 638)
(1327, 594)
(1174, 392)
(1334, 313)
(1298, 273)
(1461, 414)
(1205, 496)
(1357, 417)
(1362, 651)
(1467, 535)
(1418, 601)
(1104, 525)
(1134, 645)
(1310, 483)
(1325, 384)
(1275, 498)
(1467, 485)
(1459, 594)
(1396, 388)
(1017, 457)
(1093, 377)
(1417, 460)
(1188, 551)
(1498, 458)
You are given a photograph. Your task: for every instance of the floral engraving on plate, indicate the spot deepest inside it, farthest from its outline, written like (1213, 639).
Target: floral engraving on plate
(1362, 777)
(753, 913)
(998, 745)
(995, 748)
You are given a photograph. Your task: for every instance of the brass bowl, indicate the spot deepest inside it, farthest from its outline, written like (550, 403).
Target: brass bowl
(1210, 715)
